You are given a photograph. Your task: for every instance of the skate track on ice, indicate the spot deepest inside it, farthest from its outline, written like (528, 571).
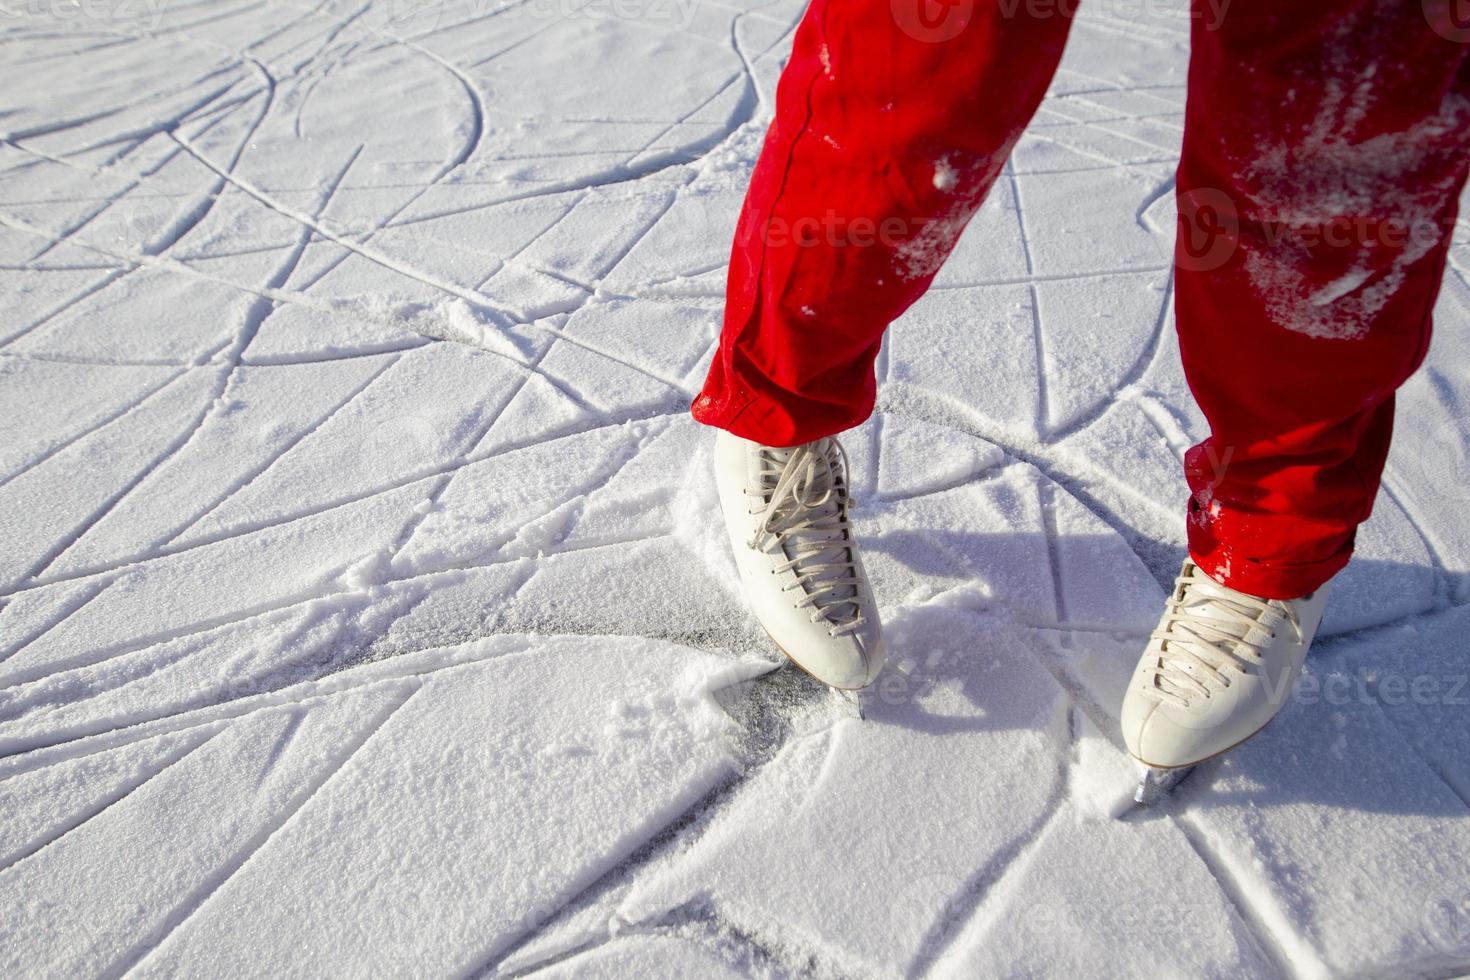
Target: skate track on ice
(362, 605)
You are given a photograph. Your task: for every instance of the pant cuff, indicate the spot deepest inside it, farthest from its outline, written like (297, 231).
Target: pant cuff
(1271, 556)
(767, 421)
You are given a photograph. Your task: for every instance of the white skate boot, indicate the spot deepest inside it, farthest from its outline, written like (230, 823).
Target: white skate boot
(786, 511)
(1218, 667)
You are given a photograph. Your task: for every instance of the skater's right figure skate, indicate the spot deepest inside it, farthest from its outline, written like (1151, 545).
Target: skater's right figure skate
(786, 510)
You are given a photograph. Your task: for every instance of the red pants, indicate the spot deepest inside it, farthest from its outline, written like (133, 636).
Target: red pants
(1325, 145)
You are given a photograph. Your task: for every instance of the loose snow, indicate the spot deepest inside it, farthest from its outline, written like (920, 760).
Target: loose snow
(363, 605)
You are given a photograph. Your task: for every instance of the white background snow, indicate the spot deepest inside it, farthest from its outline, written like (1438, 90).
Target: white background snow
(364, 606)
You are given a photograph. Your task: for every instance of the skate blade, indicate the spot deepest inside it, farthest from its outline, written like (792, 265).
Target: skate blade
(1154, 785)
(849, 702)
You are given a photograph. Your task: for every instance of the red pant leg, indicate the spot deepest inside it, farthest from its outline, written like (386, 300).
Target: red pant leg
(893, 119)
(1325, 146)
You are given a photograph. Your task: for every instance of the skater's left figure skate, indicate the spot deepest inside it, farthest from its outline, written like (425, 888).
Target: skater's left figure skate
(1217, 669)
(787, 514)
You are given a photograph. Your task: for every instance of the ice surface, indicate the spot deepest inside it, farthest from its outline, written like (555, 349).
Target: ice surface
(363, 605)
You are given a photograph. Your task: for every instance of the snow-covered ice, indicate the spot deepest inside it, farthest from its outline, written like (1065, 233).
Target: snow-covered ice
(362, 606)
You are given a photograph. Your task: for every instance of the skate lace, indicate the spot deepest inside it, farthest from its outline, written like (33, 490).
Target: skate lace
(1206, 628)
(806, 502)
